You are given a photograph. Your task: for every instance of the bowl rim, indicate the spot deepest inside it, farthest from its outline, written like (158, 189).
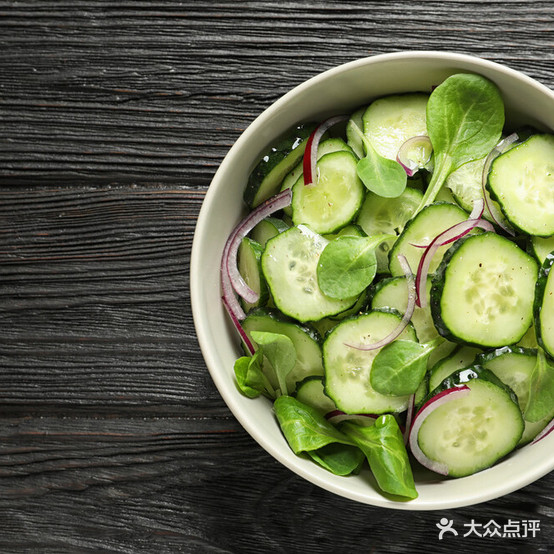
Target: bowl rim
(326, 480)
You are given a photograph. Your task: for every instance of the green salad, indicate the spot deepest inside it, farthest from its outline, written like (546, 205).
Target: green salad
(391, 285)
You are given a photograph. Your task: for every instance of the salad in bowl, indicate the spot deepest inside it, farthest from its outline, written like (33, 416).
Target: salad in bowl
(385, 289)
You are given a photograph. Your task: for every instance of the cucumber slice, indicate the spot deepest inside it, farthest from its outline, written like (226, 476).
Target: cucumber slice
(353, 138)
(422, 391)
(266, 178)
(250, 267)
(522, 181)
(310, 391)
(529, 340)
(379, 215)
(466, 185)
(544, 306)
(540, 247)
(514, 366)
(356, 309)
(267, 229)
(325, 147)
(334, 200)
(351, 230)
(289, 264)
(306, 341)
(392, 120)
(428, 223)
(393, 293)
(463, 356)
(441, 352)
(445, 195)
(323, 326)
(347, 369)
(471, 433)
(483, 291)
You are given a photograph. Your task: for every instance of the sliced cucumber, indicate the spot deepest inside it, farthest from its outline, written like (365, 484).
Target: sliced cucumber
(347, 369)
(445, 195)
(310, 391)
(540, 247)
(327, 146)
(356, 309)
(441, 352)
(420, 231)
(267, 229)
(529, 340)
(305, 339)
(334, 200)
(514, 366)
(266, 178)
(422, 391)
(463, 356)
(466, 185)
(351, 230)
(544, 306)
(393, 293)
(471, 433)
(379, 215)
(250, 267)
(392, 120)
(353, 138)
(323, 326)
(483, 291)
(289, 264)
(522, 181)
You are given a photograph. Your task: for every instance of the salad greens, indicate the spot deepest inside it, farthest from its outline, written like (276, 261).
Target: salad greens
(383, 446)
(541, 390)
(279, 350)
(251, 380)
(465, 118)
(318, 333)
(307, 431)
(380, 175)
(400, 366)
(304, 427)
(348, 265)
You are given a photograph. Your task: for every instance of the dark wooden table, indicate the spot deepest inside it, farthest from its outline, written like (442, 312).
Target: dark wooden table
(113, 119)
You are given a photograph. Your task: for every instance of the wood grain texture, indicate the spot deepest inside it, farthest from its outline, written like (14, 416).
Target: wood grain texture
(158, 92)
(114, 117)
(200, 486)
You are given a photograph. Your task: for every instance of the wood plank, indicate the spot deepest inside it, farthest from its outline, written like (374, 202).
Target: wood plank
(158, 93)
(94, 302)
(202, 485)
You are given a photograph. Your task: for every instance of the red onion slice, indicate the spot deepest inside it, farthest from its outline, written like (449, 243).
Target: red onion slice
(238, 326)
(403, 156)
(428, 408)
(395, 333)
(229, 269)
(546, 431)
(409, 418)
(500, 148)
(309, 162)
(229, 258)
(448, 236)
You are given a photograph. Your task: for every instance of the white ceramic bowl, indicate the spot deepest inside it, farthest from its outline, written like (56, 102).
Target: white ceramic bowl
(339, 90)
